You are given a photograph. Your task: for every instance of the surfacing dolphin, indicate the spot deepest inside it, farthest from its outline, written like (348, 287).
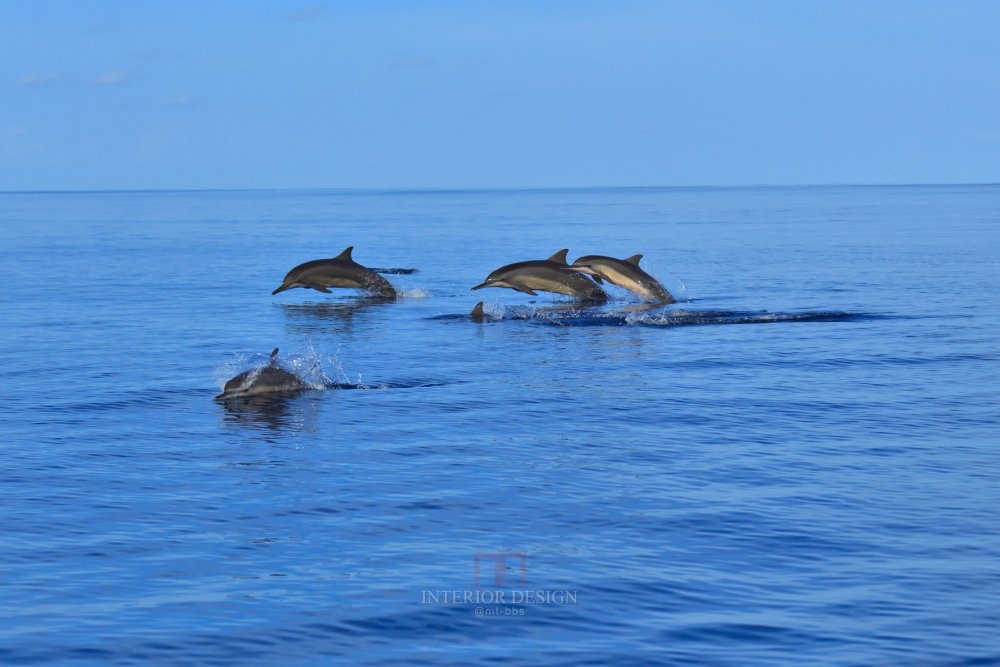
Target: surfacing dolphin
(624, 273)
(271, 379)
(478, 313)
(340, 271)
(546, 275)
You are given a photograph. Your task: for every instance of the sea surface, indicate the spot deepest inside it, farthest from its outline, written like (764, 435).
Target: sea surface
(797, 464)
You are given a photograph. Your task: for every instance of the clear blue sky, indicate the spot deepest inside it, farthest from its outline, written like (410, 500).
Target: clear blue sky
(364, 93)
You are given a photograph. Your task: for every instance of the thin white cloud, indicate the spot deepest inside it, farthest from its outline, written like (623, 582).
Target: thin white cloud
(307, 13)
(112, 78)
(37, 80)
(178, 102)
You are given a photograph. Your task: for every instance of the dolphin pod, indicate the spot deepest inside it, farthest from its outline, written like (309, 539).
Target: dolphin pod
(271, 379)
(580, 280)
(554, 274)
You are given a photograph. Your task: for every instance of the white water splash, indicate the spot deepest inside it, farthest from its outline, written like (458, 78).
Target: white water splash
(414, 293)
(493, 310)
(239, 362)
(316, 370)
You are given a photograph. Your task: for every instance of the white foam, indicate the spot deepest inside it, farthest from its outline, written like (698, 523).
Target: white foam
(493, 310)
(414, 293)
(230, 368)
(314, 369)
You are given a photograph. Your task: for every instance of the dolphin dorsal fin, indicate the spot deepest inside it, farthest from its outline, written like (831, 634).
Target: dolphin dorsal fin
(346, 255)
(634, 260)
(560, 257)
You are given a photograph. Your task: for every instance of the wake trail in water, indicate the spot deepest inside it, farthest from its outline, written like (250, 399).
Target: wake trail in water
(402, 384)
(316, 370)
(677, 318)
(575, 317)
(395, 271)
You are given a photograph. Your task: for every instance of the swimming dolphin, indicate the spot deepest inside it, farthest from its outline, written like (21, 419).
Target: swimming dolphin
(547, 275)
(271, 379)
(624, 273)
(340, 271)
(477, 313)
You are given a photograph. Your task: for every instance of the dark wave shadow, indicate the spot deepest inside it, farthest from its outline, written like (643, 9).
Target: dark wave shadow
(400, 384)
(295, 411)
(322, 316)
(273, 412)
(678, 318)
(395, 272)
(648, 315)
(333, 310)
(495, 313)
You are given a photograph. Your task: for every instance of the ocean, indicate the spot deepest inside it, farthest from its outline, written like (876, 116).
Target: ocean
(797, 464)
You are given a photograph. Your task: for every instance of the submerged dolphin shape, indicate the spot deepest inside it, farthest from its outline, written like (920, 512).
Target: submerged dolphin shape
(339, 271)
(624, 273)
(271, 379)
(546, 275)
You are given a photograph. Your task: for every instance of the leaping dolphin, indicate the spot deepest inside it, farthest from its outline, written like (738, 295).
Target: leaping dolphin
(624, 273)
(340, 271)
(271, 379)
(547, 275)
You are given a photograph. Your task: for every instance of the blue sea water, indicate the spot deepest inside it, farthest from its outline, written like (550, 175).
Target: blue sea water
(795, 465)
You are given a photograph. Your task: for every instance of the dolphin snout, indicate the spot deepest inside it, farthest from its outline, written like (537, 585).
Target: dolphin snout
(282, 288)
(485, 283)
(582, 268)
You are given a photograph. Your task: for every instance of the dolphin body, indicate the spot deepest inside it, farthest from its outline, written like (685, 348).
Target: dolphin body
(340, 271)
(271, 379)
(626, 274)
(547, 275)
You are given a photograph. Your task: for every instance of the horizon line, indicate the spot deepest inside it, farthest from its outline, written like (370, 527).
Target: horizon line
(445, 189)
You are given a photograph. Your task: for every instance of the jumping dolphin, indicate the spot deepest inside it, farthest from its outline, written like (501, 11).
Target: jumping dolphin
(547, 275)
(340, 271)
(624, 273)
(271, 379)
